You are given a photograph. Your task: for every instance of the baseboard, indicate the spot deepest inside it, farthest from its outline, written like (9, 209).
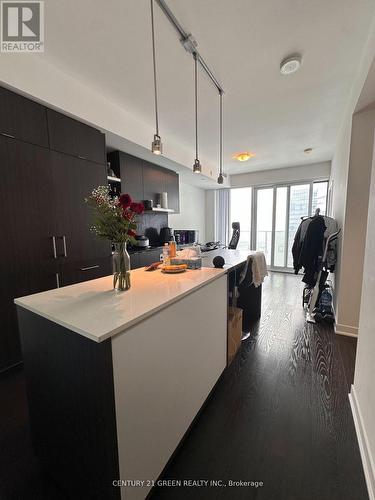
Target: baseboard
(367, 461)
(349, 331)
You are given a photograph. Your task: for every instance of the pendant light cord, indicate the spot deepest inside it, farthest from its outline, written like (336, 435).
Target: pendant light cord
(221, 134)
(154, 63)
(196, 103)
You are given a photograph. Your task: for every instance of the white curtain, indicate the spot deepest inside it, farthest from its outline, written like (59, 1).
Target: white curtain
(222, 207)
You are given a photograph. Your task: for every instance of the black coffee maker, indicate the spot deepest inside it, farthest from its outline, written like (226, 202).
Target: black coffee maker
(165, 235)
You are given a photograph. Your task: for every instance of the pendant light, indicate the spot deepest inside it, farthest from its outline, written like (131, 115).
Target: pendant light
(220, 179)
(156, 145)
(197, 167)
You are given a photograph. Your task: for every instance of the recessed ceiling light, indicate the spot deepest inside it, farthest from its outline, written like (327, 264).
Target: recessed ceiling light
(244, 156)
(307, 151)
(290, 65)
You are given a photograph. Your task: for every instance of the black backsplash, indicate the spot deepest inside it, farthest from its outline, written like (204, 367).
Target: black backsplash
(150, 224)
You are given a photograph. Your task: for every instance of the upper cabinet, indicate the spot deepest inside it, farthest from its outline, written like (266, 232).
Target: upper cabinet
(143, 180)
(74, 138)
(22, 119)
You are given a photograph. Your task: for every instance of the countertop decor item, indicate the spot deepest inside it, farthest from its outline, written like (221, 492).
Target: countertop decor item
(218, 261)
(142, 241)
(174, 269)
(114, 219)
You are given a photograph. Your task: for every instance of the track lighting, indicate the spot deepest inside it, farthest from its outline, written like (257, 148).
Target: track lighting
(156, 145)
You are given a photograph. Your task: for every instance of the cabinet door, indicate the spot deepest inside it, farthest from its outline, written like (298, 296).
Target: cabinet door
(172, 187)
(84, 270)
(149, 257)
(27, 260)
(74, 179)
(134, 261)
(75, 138)
(131, 176)
(22, 118)
(153, 182)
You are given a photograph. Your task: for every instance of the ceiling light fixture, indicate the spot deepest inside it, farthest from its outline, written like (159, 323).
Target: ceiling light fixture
(197, 167)
(244, 156)
(291, 64)
(156, 145)
(307, 151)
(220, 179)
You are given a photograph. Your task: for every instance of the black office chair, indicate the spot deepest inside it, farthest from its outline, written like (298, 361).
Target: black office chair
(235, 236)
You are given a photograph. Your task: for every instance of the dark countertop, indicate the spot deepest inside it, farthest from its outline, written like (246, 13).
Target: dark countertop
(233, 258)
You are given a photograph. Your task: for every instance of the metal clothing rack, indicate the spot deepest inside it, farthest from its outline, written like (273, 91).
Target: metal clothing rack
(310, 315)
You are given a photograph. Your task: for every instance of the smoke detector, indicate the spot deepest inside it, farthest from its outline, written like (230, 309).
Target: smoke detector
(290, 65)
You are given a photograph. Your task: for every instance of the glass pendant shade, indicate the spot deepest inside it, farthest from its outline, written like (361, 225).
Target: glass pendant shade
(197, 167)
(157, 145)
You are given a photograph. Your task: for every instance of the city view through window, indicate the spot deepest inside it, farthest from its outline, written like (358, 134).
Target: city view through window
(272, 230)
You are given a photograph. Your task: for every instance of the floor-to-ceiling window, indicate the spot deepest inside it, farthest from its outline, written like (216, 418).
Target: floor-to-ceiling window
(240, 211)
(269, 217)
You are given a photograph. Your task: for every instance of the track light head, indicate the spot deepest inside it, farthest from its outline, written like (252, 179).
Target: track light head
(197, 167)
(157, 145)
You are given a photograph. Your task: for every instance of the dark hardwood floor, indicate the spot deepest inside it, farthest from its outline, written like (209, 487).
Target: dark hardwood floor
(280, 414)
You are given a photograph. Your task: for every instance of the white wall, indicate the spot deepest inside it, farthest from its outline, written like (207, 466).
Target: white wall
(363, 392)
(314, 171)
(192, 210)
(354, 200)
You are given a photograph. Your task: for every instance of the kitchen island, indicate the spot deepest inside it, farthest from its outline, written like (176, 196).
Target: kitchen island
(115, 379)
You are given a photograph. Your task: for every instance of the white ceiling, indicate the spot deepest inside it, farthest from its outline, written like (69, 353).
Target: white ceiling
(107, 46)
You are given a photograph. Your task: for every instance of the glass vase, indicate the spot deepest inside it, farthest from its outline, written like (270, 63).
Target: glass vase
(121, 267)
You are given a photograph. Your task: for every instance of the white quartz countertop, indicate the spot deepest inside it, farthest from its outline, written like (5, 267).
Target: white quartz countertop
(93, 309)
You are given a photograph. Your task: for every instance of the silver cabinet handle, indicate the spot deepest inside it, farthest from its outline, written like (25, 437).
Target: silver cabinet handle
(7, 135)
(57, 280)
(64, 244)
(88, 268)
(54, 247)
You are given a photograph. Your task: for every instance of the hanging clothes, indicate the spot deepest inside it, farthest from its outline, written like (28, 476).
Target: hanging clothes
(312, 249)
(331, 227)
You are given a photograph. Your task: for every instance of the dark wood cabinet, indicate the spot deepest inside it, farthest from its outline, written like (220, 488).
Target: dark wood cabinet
(153, 182)
(74, 138)
(27, 258)
(172, 187)
(78, 248)
(130, 169)
(144, 180)
(149, 257)
(134, 261)
(145, 258)
(22, 118)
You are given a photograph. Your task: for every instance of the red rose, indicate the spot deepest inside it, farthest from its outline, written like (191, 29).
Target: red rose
(131, 233)
(138, 208)
(125, 200)
(127, 215)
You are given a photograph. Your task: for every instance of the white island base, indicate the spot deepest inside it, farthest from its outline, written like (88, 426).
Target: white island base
(108, 406)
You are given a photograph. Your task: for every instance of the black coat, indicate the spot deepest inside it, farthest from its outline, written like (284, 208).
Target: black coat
(306, 250)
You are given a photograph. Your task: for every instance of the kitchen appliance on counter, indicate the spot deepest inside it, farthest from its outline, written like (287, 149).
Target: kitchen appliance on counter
(165, 235)
(186, 236)
(148, 204)
(142, 241)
